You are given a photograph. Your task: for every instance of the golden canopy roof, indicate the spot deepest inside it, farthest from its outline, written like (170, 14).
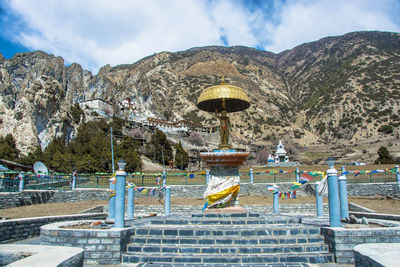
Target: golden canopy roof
(235, 98)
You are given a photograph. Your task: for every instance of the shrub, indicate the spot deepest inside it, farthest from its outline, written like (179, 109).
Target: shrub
(386, 129)
(384, 156)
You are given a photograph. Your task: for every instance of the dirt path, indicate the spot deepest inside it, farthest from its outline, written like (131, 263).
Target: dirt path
(380, 204)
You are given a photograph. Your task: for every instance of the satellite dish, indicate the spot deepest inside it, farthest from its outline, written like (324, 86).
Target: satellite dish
(40, 168)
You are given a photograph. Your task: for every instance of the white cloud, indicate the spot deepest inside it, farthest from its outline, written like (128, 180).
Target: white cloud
(98, 32)
(305, 21)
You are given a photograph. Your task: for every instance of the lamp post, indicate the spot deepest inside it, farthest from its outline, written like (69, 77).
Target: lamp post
(333, 194)
(120, 195)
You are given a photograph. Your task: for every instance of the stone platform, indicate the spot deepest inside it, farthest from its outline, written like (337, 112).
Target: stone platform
(226, 239)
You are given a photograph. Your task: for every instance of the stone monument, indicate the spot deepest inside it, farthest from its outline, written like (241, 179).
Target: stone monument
(224, 183)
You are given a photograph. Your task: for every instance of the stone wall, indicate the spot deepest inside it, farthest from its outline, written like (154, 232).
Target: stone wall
(101, 246)
(18, 229)
(342, 241)
(79, 195)
(27, 197)
(246, 189)
(372, 189)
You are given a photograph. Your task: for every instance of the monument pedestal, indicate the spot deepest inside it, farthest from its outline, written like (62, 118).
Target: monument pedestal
(235, 209)
(224, 184)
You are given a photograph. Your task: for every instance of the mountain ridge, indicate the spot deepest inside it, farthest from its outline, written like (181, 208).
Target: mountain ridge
(336, 90)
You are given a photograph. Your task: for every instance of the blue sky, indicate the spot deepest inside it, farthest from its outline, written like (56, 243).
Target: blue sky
(98, 32)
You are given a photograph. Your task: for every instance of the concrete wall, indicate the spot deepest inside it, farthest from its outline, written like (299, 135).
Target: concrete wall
(377, 255)
(18, 229)
(22, 255)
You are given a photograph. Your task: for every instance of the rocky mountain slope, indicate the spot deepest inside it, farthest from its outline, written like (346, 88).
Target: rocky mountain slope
(338, 91)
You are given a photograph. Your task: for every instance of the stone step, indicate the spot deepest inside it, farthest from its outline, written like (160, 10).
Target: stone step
(218, 265)
(224, 221)
(222, 230)
(223, 249)
(142, 257)
(225, 215)
(230, 240)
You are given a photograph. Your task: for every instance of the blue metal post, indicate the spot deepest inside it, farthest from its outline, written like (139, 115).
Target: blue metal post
(398, 175)
(167, 204)
(207, 176)
(164, 180)
(21, 182)
(120, 199)
(297, 175)
(319, 201)
(276, 203)
(344, 203)
(111, 200)
(131, 202)
(73, 185)
(333, 194)
(112, 152)
(251, 176)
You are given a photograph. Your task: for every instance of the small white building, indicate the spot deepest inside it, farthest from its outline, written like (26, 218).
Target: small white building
(281, 154)
(96, 103)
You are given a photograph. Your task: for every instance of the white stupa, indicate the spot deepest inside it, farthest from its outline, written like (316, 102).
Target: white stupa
(280, 154)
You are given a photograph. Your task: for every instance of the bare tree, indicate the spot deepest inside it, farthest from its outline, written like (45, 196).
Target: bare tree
(196, 138)
(136, 133)
(262, 156)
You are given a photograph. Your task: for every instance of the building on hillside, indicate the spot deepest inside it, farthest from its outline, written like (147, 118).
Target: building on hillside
(281, 154)
(280, 159)
(100, 106)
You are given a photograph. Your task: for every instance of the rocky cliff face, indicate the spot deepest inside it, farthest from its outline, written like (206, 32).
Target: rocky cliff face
(335, 89)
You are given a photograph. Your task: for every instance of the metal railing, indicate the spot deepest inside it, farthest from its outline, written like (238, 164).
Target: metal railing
(9, 180)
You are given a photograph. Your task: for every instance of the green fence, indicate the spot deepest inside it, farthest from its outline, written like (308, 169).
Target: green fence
(9, 180)
(383, 177)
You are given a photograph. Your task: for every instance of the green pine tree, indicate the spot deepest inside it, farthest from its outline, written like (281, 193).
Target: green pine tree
(384, 156)
(158, 147)
(127, 151)
(8, 148)
(181, 157)
(33, 156)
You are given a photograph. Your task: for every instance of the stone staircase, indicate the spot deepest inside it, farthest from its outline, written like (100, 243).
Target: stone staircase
(226, 239)
(306, 208)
